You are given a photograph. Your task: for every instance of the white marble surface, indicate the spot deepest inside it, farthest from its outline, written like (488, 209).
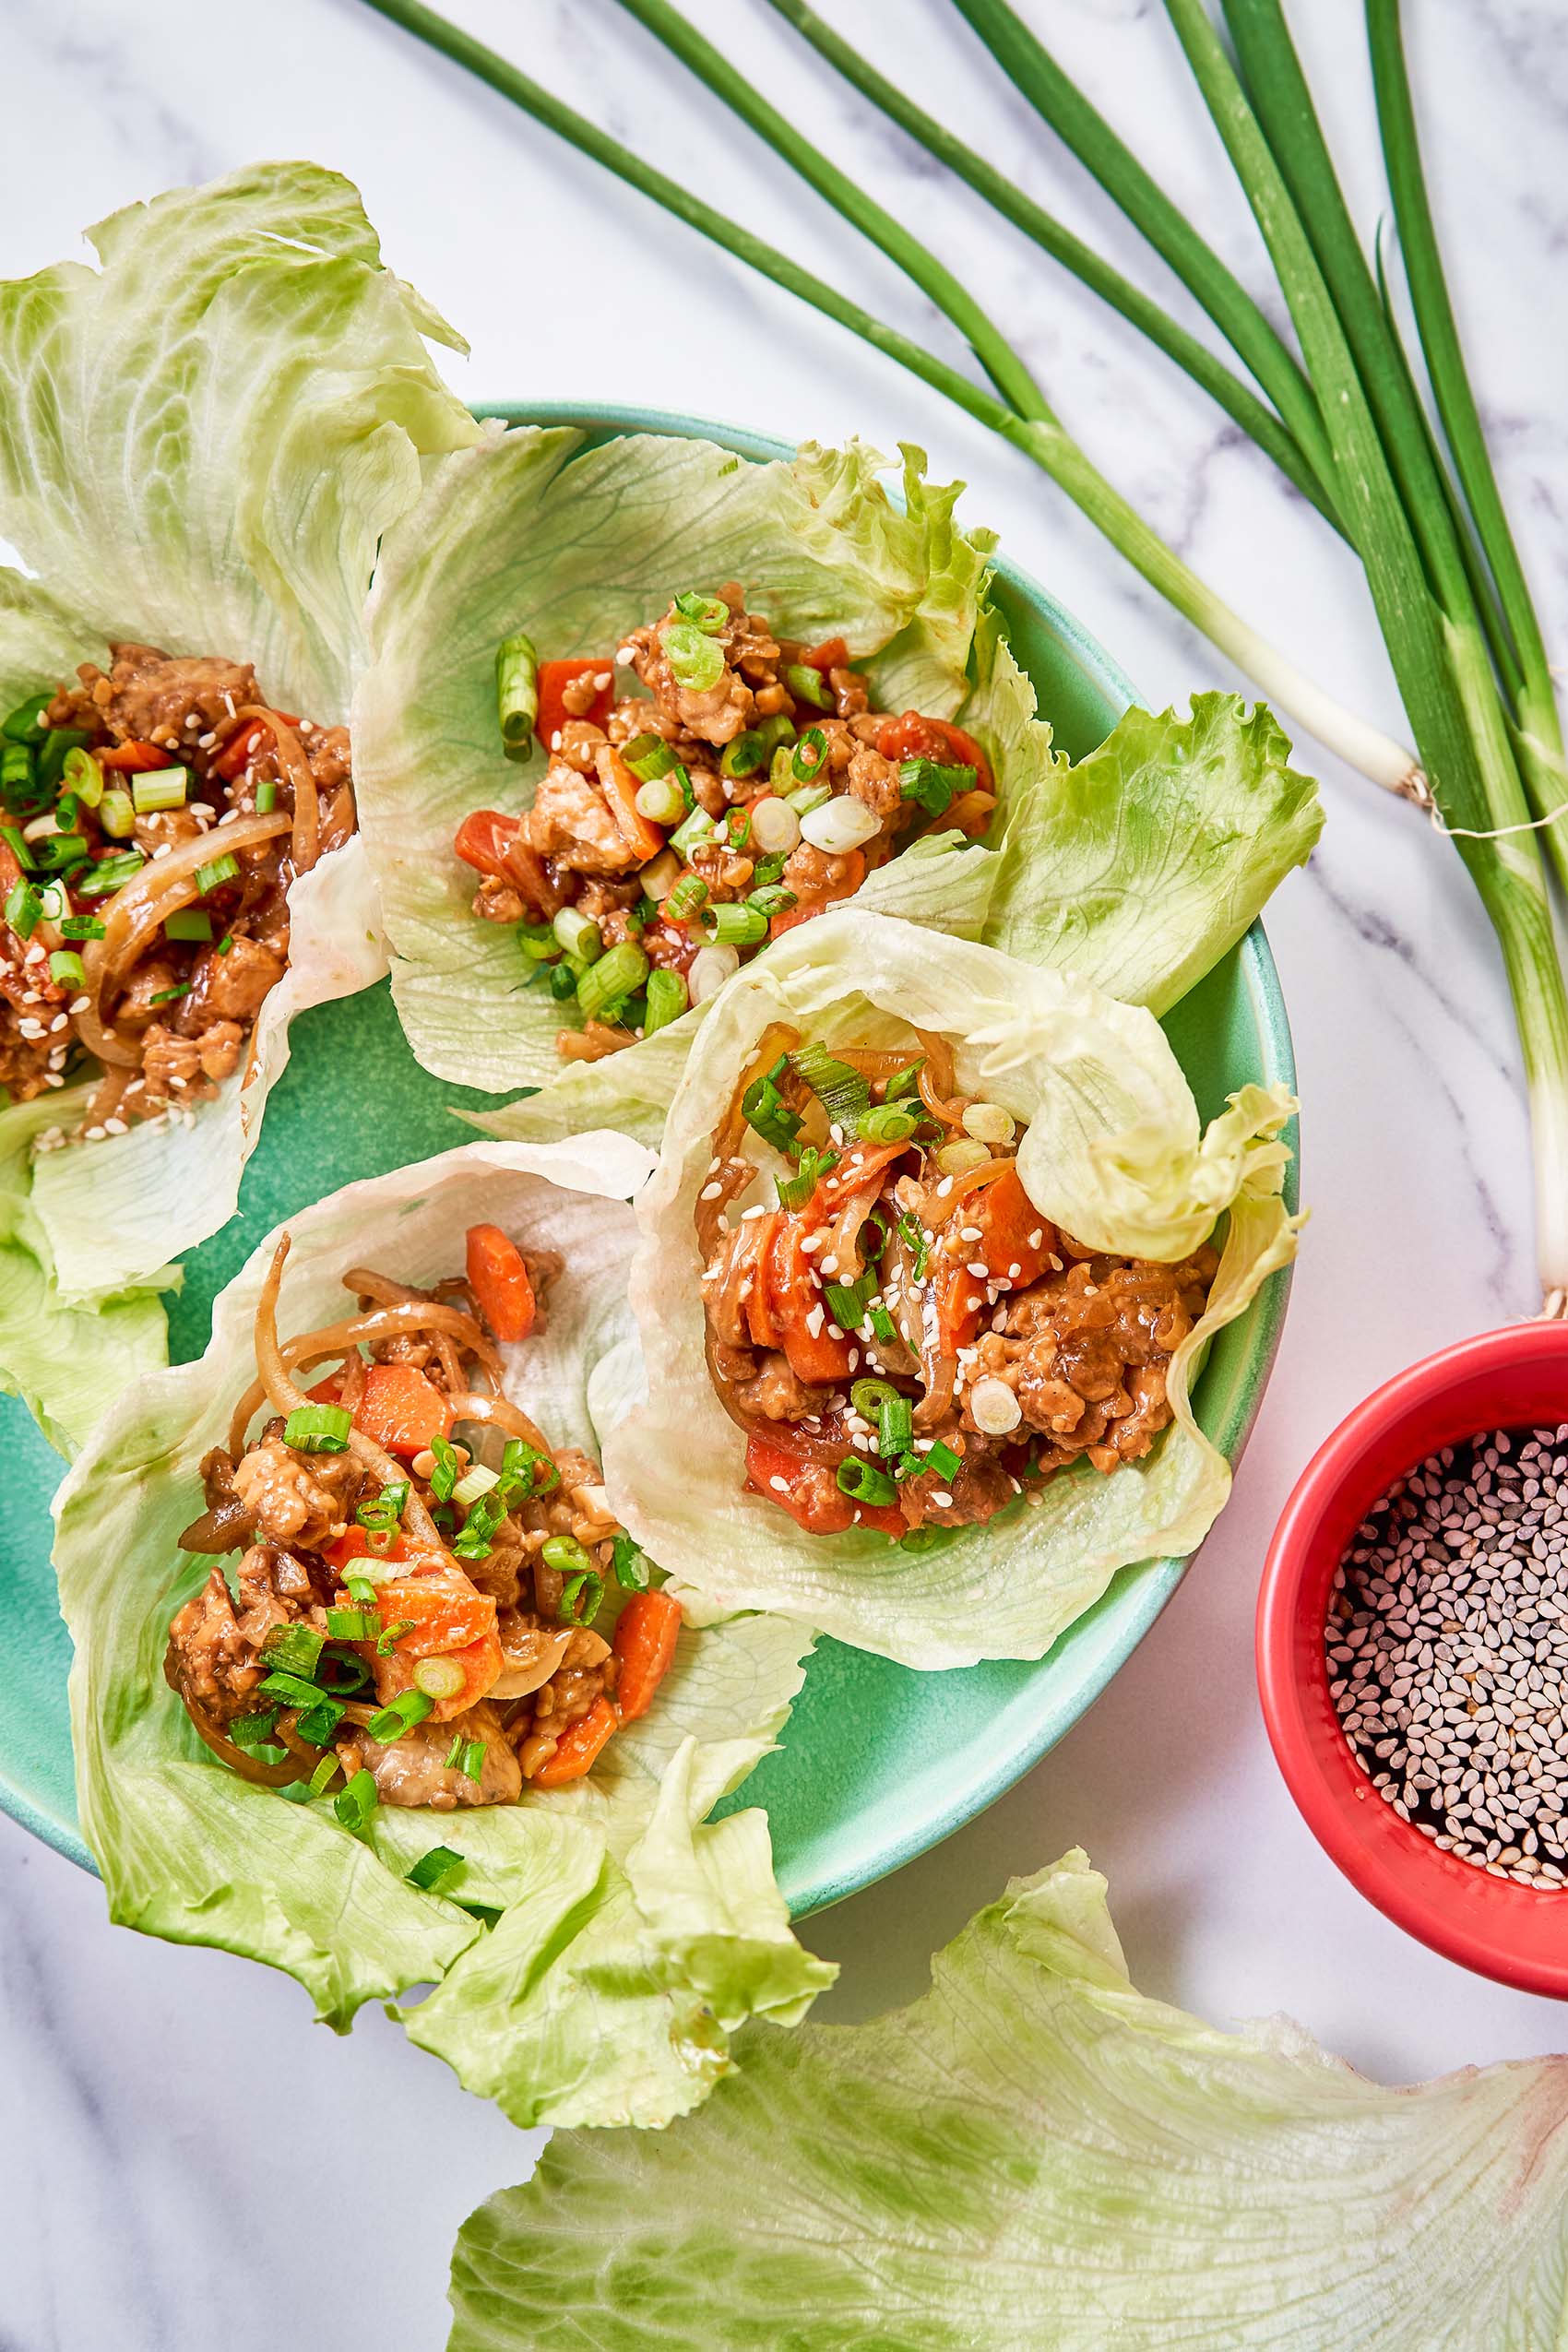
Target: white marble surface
(191, 2161)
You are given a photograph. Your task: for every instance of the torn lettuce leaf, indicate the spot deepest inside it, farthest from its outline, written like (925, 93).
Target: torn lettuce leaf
(1114, 1153)
(533, 530)
(1034, 2154)
(201, 444)
(614, 1940)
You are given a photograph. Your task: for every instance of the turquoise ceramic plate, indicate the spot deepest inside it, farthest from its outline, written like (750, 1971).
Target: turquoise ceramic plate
(878, 1763)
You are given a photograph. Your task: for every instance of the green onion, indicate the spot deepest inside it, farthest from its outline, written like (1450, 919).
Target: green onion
(472, 1765)
(565, 1555)
(809, 754)
(352, 1624)
(266, 797)
(222, 870)
(766, 1111)
(18, 847)
(775, 732)
(294, 1689)
(915, 1235)
(709, 613)
(520, 1462)
(581, 1598)
(744, 756)
(904, 1083)
(697, 663)
(386, 1509)
(685, 898)
(250, 1732)
(439, 1678)
(67, 969)
(361, 1591)
(846, 1306)
(355, 1804)
(896, 1428)
(19, 786)
(109, 875)
(517, 692)
(695, 828)
(60, 851)
(320, 1779)
(57, 747)
(319, 1428)
(538, 942)
(455, 1754)
(23, 909)
(82, 927)
(436, 1863)
(808, 684)
(737, 827)
(661, 801)
(392, 1721)
(840, 1089)
(477, 1480)
(68, 813)
(933, 786)
(25, 724)
(319, 1724)
(226, 942)
(887, 1122)
(869, 1397)
(295, 1650)
(117, 815)
(735, 925)
(808, 797)
(630, 1564)
(615, 975)
(391, 1635)
(562, 981)
(483, 1518)
(188, 922)
(795, 1191)
(667, 999)
(770, 900)
(341, 1673)
(159, 788)
(884, 1328)
(941, 1458)
(83, 778)
(864, 1483)
(578, 935)
(649, 756)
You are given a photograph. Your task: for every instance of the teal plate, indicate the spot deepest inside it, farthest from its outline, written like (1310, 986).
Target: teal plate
(878, 1763)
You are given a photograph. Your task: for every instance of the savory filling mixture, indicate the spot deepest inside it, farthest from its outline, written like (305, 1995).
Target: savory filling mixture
(154, 818)
(748, 786)
(410, 1625)
(905, 1341)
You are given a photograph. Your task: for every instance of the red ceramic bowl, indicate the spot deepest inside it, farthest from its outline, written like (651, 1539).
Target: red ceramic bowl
(1516, 1378)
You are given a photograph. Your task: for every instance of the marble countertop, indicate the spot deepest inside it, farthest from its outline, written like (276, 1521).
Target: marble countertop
(193, 2150)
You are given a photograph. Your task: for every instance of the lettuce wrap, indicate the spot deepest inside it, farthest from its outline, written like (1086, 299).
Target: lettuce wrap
(600, 1944)
(202, 441)
(1036, 2154)
(1112, 1152)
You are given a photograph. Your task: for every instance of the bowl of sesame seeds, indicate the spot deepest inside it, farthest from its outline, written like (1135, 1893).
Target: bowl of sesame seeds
(1412, 1652)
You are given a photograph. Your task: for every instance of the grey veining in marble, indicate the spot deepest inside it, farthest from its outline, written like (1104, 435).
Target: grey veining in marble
(192, 2157)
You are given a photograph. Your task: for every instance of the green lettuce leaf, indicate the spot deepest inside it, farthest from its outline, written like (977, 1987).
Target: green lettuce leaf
(202, 442)
(611, 1941)
(1035, 2155)
(535, 530)
(1114, 1153)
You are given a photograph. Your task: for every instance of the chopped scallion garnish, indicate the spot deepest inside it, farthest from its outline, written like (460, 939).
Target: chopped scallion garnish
(842, 1092)
(159, 788)
(709, 613)
(864, 1483)
(318, 1429)
(188, 922)
(915, 1235)
(581, 1598)
(887, 1122)
(434, 1866)
(943, 1461)
(355, 1804)
(688, 895)
(294, 1648)
(517, 692)
(744, 756)
(696, 660)
(444, 1476)
(213, 876)
(668, 998)
(795, 1191)
(265, 796)
(629, 1564)
(23, 909)
(808, 684)
(391, 1722)
(615, 975)
(933, 786)
(734, 925)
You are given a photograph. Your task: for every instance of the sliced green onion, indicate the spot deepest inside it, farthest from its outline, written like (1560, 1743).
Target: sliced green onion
(25, 724)
(341, 1673)
(18, 787)
(846, 1306)
(353, 1624)
(744, 756)
(249, 1731)
(159, 787)
(319, 1428)
(630, 1564)
(65, 969)
(795, 1191)
(476, 1480)
(578, 935)
(19, 846)
(188, 922)
(884, 1328)
(23, 909)
(808, 755)
(517, 692)
(666, 1000)
(355, 1804)
(296, 1649)
(266, 797)
(915, 1235)
(82, 927)
(735, 925)
(765, 1109)
(695, 828)
(709, 613)
(391, 1635)
(869, 1397)
(933, 786)
(685, 898)
(904, 1083)
(319, 1724)
(958, 1159)
(697, 663)
(661, 801)
(472, 1765)
(943, 1461)
(808, 798)
(989, 1123)
(60, 851)
(841, 1090)
(615, 975)
(538, 942)
(439, 1678)
(864, 1483)
(565, 1555)
(808, 684)
(83, 778)
(435, 1865)
(295, 1689)
(887, 1122)
(775, 732)
(580, 1599)
(321, 1777)
(117, 815)
(562, 981)
(69, 812)
(520, 1460)
(57, 747)
(392, 1721)
(896, 1428)
(770, 900)
(455, 1753)
(109, 875)
(649, 756)
(222, 870)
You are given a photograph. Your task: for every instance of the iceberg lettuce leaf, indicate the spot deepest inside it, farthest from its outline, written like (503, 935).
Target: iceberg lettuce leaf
(611, 1941)
(1034, 2154)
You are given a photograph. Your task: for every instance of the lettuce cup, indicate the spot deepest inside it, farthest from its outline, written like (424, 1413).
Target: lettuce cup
(936, 1245)
(381, 1694)
(197, 483)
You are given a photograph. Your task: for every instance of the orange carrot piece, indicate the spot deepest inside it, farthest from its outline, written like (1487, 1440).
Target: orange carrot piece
(621, 790)
(134, 759)
(646, 1634)
(402, 1410)
(499, 1280)
(580, 1744)
(443, 1613)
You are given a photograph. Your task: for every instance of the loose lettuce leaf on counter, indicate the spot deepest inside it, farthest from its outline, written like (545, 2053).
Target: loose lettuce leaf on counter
(612, 1942)
(1036, 2154)
(533, 530)
(1114, 1153)
(202, 441)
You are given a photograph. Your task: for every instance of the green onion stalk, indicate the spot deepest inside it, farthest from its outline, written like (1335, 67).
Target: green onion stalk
(1344, 423)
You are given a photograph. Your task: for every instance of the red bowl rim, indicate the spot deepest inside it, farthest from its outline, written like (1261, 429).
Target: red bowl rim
(1515, 1933)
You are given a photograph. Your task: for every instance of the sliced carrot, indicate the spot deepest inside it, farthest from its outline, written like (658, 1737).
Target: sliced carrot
(832, 654)
(862, 1165)
(355, 1544)
(814, 1502)
(134, 759)
(815, 1357)
(646, 1634)
(231, 760)
(913, 736)
(402, 1410)
(482, 1662)
(1013, 1230)
(621, 790)
(554, 677)
(578, 1745)
(499, 1280)
(441, 1612)
(483, 838)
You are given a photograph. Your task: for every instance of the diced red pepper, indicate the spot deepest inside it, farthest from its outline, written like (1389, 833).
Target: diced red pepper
(832, 654)
(913, 736)
(554, 677)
